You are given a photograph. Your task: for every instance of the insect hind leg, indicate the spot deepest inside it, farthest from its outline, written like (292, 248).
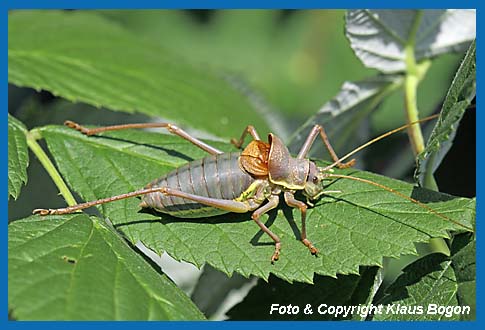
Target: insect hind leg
(170, 127)
(82, 206)
(223, 204)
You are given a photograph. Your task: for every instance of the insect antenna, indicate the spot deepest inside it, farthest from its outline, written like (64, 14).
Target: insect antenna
(380, 137)
(327, 172)
(389, 189)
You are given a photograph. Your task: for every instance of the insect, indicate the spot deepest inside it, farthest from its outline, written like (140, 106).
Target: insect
(249, 181)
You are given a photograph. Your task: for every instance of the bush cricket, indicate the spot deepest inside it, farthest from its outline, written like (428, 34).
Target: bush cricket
(252, 180)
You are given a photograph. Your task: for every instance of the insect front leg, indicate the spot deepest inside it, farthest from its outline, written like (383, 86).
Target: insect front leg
(292, 202)
(248, 130)
(170, 127)
(273, 202)
(319, 130)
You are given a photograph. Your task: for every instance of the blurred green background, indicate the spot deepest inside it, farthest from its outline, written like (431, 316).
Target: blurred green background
(290, 63)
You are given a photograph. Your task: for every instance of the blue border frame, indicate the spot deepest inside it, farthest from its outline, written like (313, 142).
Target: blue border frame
(214, 4)
(249, 4)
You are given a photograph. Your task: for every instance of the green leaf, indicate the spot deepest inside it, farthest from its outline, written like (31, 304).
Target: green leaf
(282, 55)
(345, 290)
(460, 94)
(342, 115)
(463, 261)
(379, 37)
(84, 57)
(18, 156)
(435, 284)
(75, 268)
(356, 227)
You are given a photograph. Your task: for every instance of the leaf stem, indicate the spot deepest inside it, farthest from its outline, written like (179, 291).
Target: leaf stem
(428, 178)
(32, 138)
(411, 82)
(414, 73)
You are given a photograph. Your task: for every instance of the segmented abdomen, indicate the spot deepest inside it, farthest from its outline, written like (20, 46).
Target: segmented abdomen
(215, 176)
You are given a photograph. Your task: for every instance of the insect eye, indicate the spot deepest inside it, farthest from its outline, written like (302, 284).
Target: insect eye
(315, 180)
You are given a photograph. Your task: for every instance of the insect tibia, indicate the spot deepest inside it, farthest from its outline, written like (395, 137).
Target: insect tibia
(82, 206)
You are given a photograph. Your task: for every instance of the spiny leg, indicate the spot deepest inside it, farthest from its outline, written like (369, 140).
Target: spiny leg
(292, 202)
(273, 202)
(170, 127)
(82, 206)
(223, 204)
(317, 129)
(248, 130)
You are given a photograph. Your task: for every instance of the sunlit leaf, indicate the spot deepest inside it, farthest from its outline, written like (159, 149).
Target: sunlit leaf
(74, 268)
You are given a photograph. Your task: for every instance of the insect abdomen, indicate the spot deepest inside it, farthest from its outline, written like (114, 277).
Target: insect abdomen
(215, 176)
